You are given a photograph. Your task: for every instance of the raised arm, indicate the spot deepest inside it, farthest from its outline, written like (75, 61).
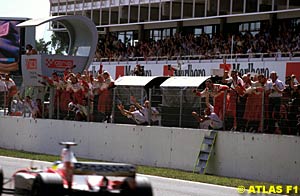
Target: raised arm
(133, 99)
(123, 111)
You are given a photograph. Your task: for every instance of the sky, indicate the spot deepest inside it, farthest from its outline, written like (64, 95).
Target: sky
(28, 9)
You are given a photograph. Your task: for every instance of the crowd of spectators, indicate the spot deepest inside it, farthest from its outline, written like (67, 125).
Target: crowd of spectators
(76, 96)
(284, 41)
(8, 90)
(254, 103)
(80, 96)
(247, 103)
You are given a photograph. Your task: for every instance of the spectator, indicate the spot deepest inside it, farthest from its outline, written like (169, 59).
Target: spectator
(139, 70)
(294, 80)
(236, 89)
(212, 118)
(60, 97)
(294, 113)
(105, 96)
(30, 50)
(75, 89)
(42, 109)
(17, 107)
(274, 88)
(97, 87)
(283, 122)
(31, 106)
(253, 106)
(214, 94)
(12, 90)
(81, 111)
(133, 114)
(3, 92)
(151, 115)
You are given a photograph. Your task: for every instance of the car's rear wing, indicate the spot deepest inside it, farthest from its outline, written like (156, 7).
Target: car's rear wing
(104, 169)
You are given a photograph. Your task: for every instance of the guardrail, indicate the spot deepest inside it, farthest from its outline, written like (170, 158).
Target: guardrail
(225, 57)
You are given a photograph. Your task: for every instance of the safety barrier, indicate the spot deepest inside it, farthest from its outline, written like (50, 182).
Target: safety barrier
(261, 157)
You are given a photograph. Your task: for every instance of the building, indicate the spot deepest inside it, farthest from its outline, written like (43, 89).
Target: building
(157, 19)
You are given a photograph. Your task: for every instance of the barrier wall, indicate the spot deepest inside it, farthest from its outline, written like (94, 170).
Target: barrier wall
(260, 157)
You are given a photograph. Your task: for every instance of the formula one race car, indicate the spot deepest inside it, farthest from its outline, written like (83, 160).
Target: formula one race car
(69, 177)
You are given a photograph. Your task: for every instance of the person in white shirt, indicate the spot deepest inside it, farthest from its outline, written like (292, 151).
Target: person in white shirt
(210, 118)
(3, 92)
(274, 90)
(150, 113)
(134, 114)
(32, 107)
(12, 90)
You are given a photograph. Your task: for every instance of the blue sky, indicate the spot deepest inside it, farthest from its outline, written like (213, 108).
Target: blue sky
(27, 9)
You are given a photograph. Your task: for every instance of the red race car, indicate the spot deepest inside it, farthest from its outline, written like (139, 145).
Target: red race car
(70, 177)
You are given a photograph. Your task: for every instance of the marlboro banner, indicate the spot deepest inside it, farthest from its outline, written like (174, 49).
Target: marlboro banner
(283, 67)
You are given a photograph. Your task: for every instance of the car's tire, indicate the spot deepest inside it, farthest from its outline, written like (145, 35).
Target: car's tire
(1, 180)
(142, 187)
(47, 184)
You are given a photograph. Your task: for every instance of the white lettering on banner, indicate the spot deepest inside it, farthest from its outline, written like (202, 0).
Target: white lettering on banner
(250, 69)
(128, 71)
(190, 71)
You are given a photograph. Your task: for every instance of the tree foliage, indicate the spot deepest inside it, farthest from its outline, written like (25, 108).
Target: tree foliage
(58, 45)
(42, 46)
(60, 42)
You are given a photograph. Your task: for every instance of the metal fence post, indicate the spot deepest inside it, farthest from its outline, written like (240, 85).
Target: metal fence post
(57, 103)
(113, 106)
(150, 110)
(224, 109)
(263, 111)
(88, 106)
(5, 102)
(180, 107)
(51, 103)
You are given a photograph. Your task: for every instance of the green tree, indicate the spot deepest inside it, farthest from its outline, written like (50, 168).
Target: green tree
(60, 42)
(42, 46)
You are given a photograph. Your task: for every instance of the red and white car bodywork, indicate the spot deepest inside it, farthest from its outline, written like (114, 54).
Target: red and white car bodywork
(78, 178)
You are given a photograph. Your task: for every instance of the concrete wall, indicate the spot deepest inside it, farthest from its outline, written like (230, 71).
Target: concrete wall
(259, 157)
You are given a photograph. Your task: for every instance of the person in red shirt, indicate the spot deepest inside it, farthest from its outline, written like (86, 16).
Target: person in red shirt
(105, 96)
(216, 92)
(236, 89)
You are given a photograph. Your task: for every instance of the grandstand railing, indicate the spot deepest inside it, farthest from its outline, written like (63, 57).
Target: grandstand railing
(226, 57)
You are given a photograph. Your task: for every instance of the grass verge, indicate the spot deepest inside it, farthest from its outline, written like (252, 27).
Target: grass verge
(163, 172)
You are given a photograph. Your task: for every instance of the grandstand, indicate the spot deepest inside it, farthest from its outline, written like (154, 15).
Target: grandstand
(177, 38)
(133, 21)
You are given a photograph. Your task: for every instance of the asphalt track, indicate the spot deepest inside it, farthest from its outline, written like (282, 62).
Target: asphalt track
(161, 186)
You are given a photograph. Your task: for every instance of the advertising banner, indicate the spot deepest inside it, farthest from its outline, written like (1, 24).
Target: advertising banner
(196, 68)
(9, 45)
(45, 65)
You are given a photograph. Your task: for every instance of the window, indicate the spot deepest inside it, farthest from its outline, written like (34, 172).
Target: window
(252, 27)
